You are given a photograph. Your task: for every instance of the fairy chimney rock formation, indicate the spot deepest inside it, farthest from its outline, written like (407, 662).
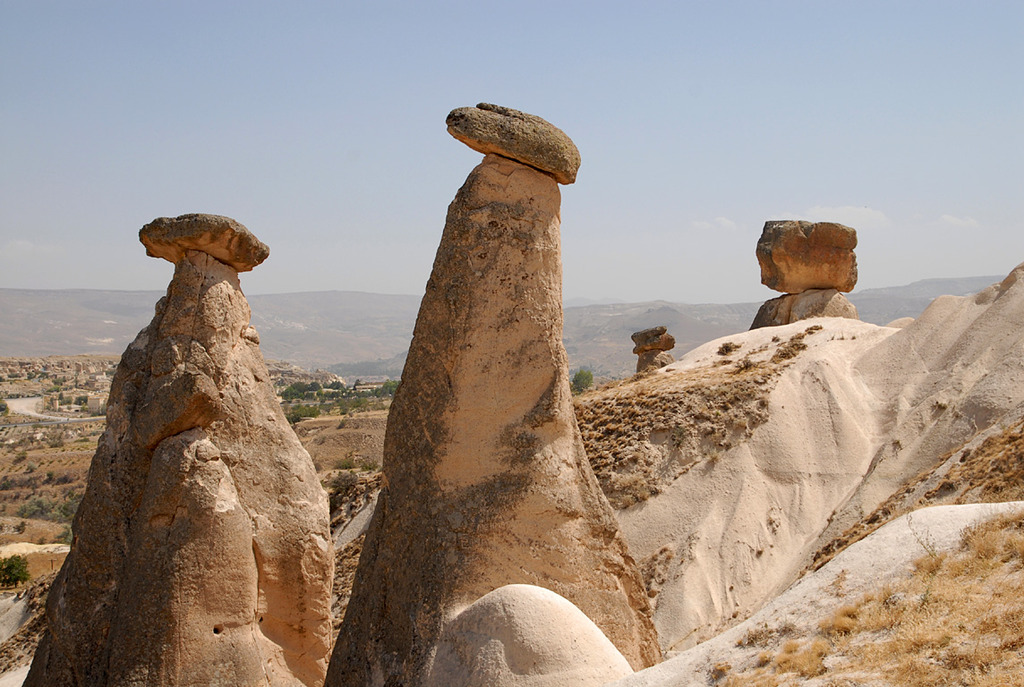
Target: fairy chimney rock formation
(810, 262)
(201, 551)
(517, 135)
(486, 480)
(652, 345)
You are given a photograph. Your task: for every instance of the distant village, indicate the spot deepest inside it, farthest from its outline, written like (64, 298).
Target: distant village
(78, 386)
(68, 385)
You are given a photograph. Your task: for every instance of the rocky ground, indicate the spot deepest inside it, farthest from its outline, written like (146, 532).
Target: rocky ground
(961, 439)
(346, 449)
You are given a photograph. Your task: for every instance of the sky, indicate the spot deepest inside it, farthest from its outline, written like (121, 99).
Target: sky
(320, 126)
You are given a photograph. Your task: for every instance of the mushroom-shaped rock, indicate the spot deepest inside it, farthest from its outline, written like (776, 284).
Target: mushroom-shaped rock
(794, 307)
(220, 237)
(521, 635)
(653, 339)
(796, 256)
(652, 345)
(486, 481)
(523, 137)
(201, 552)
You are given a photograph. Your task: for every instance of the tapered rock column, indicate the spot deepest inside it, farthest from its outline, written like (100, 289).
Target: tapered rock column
(486, 480)
(201, 551)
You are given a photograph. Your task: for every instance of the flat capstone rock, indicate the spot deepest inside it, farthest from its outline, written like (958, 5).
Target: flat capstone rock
(220, 237)
(522, 137)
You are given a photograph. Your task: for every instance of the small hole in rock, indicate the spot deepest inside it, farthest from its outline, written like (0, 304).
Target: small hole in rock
(217, 629)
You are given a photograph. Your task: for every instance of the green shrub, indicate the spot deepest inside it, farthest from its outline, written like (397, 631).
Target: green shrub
(581, 381)
(13, 570)
(301, 412)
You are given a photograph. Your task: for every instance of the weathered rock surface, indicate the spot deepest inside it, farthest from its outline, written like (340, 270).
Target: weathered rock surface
(222, 237)
(796, 256)
(794, 307)
(524, 636)
(523, 137)
(486, 480)
(201, 552)
(652, 346)
(652, 360)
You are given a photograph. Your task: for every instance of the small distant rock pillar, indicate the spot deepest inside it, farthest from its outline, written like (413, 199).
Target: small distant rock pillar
(811, 263)
(201, 551)
(653, 346)
(486, 479)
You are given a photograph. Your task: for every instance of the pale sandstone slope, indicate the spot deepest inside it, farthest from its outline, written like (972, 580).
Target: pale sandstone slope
(884, 556)
(855, 416)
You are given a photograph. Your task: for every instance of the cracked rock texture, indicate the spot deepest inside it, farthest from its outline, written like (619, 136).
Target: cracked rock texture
(215, 235)
(486, 482)
(796, 256)
(517, 135)
(794, 307)
(652, 347)
(201, 551)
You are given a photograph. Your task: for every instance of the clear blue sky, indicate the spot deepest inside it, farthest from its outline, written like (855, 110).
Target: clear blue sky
(320, 126)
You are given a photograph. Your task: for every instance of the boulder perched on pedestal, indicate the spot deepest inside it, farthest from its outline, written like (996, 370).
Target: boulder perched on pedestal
(517, 135)
(486, 482)
(652, 346)
(796, 256)
(810, 262)
(201, 551)
(794, 307)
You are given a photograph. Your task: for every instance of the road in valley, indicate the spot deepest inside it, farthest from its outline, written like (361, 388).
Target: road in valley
(27, 406)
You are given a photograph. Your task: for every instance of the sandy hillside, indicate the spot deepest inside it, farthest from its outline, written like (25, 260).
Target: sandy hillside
(833, 418)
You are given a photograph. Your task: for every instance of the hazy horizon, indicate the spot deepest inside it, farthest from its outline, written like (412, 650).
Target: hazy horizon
(320, 126)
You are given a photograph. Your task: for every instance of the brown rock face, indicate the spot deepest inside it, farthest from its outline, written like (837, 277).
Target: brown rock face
(524, 137)
(486, 480)
(797, 256)
(221, 237)
(801, 306)
(653, 360)
(201, 552)
(652, 346)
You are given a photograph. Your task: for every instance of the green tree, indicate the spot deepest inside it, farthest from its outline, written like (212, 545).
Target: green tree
(13, 570)
(3, 408)
(301, 412)
(582, 380)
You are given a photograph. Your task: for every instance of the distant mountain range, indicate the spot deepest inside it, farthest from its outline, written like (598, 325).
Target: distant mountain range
(354, 333)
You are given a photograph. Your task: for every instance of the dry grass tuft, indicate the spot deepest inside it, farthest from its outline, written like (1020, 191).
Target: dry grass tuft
(804, 660)
(957, 620)
(728, 347)
(764, 635)
(843, 621)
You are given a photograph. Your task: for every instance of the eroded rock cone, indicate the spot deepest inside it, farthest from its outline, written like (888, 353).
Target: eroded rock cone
(201, 551)
(486, 480)
(796, 256)
(652, 346)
